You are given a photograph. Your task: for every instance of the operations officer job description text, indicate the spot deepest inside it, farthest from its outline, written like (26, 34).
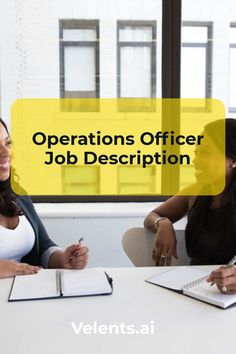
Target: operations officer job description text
(165, 139)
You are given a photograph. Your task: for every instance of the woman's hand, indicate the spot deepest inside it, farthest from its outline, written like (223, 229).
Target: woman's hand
(10, 268)
(164, 246)
(75, 256)
(225, 279)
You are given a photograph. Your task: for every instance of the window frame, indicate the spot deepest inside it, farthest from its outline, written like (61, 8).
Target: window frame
(231, 45)
(208, 64)
(79, 24)
(171, 49)
(121, 24)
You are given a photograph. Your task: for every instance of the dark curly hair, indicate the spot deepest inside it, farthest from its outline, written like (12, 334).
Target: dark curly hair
(8, 202)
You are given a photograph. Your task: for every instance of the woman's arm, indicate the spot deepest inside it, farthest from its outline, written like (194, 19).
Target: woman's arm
(45, 251)
(75, 256)
(10, 268)
(224, 278)
(172, 210)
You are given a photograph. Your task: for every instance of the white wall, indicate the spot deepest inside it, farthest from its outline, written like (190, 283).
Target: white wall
(101, 224)
(102, 236)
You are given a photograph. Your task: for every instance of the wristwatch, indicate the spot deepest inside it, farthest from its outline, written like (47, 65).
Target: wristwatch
(159, 219)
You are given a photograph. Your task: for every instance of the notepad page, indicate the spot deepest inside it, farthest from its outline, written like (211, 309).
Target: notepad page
(35, 286)
(176, 278)
(90, 281)
(211, 294)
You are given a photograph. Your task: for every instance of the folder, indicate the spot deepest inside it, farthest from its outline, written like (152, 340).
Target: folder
(60, 283)
(192, 282)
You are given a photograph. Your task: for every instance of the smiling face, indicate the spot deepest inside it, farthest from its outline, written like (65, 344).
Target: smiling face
(211, 166)
(4, 154)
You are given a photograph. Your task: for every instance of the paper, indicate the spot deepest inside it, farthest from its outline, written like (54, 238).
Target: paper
(85, 282)
(176, 278)
(192, 282)
(211, 294)
(39, 285)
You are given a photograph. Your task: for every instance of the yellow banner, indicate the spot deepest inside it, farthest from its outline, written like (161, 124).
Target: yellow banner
(117, 146)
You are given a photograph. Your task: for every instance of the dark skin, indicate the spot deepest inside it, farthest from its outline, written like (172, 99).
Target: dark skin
(175, 208)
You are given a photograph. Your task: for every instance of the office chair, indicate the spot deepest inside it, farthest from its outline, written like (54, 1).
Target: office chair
(137, 244)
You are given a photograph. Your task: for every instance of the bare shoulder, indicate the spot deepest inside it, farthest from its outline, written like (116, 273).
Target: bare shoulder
(190, 194)
(176, 207)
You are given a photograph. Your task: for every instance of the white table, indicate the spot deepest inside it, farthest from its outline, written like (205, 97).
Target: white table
(181, 325)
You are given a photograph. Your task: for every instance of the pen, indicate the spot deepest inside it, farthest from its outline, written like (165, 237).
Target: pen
(80, 240)
(230, 264)
(76, 251)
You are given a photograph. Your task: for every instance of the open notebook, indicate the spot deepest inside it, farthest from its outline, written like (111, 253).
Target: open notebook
(192, 282)
(60, 283)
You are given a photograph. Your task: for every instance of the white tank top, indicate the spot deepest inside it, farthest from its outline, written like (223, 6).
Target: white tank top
(16, 243)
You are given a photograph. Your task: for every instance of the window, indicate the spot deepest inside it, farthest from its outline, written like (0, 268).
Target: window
(232, 69)
(136, 78)
(83, 180)
(79, 59)
(136, 64)
(220, 70)
(137, 180)
(196, 60)
(104, 51)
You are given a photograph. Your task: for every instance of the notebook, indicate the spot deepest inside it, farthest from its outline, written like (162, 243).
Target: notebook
(192, 282)
(60, 283)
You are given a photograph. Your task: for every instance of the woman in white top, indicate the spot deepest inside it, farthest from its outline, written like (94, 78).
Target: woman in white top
(24, 242)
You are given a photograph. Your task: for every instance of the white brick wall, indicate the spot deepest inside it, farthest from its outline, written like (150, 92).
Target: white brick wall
(29, 46)
(29, 42)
